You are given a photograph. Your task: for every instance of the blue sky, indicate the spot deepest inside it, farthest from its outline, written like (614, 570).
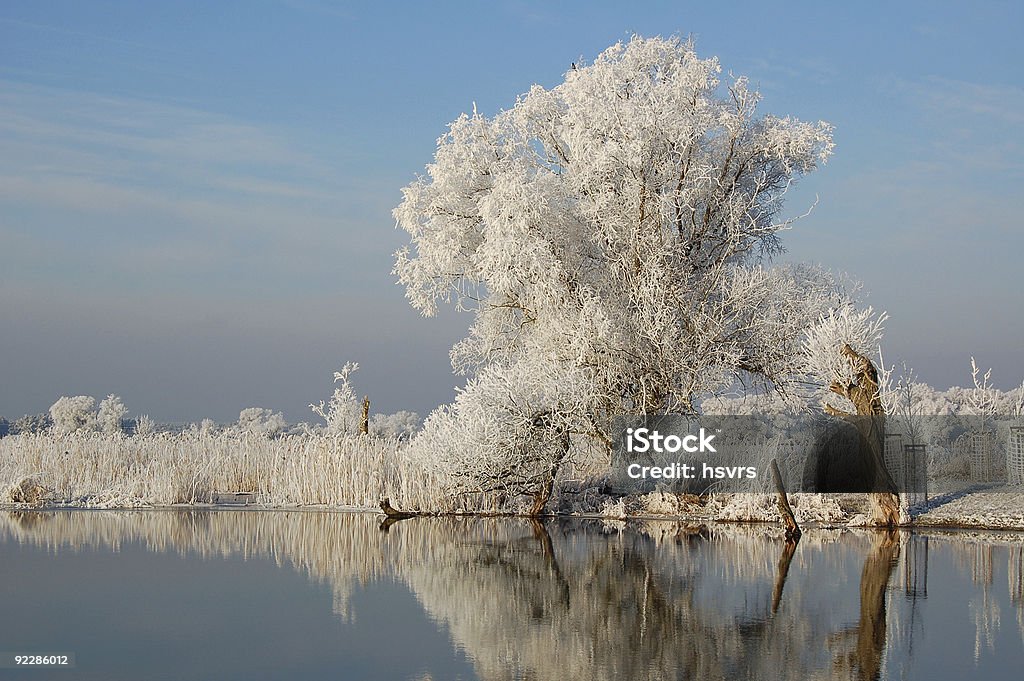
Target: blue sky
(195, 197)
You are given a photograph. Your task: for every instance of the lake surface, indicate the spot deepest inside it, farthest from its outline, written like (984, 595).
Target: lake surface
(233, 594)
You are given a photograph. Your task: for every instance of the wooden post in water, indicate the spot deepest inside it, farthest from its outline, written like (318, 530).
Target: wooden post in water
(788, 519)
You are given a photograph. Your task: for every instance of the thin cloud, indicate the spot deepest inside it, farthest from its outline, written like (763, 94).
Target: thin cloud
(1001, 103)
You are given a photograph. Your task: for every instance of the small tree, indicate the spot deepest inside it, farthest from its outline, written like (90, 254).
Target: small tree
(343, 413)
(32, 423)
(71, 414)
(401, 425)
(261, 422)
(111, 414)
(144, 425)
(509, 431)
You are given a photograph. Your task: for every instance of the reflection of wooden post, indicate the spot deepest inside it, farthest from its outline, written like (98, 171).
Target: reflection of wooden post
(780, 576)
(364, 422)
(792, 529)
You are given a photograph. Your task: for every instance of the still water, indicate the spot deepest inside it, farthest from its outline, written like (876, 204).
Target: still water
(233, 594)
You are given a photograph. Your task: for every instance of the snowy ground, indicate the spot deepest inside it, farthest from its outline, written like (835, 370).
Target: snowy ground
(981, 506)
(951, 504)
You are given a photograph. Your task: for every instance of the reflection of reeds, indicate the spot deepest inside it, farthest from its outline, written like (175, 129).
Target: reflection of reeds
(569, 599)
(643, 602)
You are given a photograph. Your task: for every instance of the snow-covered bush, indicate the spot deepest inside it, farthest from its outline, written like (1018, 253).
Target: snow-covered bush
(71, 414)
(32, 423)
(510, 430)
(401, 425)
(260, 421)
(111, 414)
(144, 425)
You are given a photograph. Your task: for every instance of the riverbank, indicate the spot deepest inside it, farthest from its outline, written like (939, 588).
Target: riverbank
(197, 470)
(972, 507)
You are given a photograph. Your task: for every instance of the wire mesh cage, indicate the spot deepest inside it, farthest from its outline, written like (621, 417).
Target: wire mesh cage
(1015, 456)
(976, 449)
(915, 463)
(894, 459)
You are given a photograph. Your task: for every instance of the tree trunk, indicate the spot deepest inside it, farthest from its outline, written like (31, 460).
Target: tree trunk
(870, 420)
(541, 497)
(792, 529)
(364, 422)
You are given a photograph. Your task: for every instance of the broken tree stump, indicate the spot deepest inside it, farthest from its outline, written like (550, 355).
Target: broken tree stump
(788, 519)
(392, 512)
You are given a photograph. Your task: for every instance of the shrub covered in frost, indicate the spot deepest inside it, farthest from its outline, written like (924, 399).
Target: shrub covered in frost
(71, 414)
(261, 421)
(111, 414)
(401, 425)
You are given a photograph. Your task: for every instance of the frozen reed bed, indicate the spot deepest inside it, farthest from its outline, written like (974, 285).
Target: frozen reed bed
(92, 469)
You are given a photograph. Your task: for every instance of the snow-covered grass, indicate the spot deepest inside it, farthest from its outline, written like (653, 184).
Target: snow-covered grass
(100, 470)
(111, 470)
(981, 506)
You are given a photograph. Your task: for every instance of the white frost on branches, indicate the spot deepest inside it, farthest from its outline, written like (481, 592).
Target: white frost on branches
(612, 233)
(343, 411)
(508, 430)
(260, 421)
(71, 414)
(861, 329)
(111, 413)
(401, 425)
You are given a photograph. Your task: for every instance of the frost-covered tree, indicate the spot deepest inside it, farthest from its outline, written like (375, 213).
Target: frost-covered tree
(71, 414)
(261, 421)
(111, 413)
(144, 425)
(617, 228)
(343, 412)
(827, 348)
(400, 425)
(32, 423)
(836, 350)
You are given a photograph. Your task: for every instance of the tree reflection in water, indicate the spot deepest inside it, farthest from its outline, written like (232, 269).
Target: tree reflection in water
(584, 599)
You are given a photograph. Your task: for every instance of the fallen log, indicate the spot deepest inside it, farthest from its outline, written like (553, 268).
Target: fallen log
(392, 512)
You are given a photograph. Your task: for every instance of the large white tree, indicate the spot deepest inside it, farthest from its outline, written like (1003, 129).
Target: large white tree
(616, 229)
